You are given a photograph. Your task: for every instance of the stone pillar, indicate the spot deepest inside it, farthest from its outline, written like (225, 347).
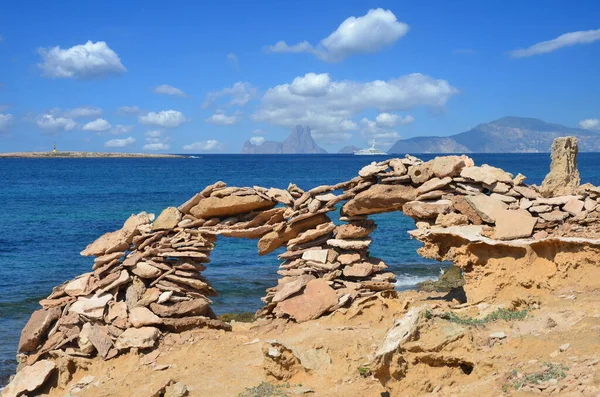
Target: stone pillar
(563, 178)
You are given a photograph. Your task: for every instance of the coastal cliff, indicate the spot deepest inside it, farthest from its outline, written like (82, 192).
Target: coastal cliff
(524, 320)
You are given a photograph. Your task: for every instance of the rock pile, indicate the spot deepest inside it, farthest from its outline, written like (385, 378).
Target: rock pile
(146, 277)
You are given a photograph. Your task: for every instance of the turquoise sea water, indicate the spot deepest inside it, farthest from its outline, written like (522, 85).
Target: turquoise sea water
(52, 208)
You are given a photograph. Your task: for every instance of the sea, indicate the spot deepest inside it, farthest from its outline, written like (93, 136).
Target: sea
(52, 208)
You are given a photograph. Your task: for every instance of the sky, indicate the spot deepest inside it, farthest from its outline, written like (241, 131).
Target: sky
(204, 77)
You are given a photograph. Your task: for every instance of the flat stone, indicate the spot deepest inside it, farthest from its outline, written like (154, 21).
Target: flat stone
(275, 239)
(554, 216)
(398, 166)
(526, 192)
(503, 198)
(29, 379)
(538, 209)
(312, 234)
(487, 174)
(119, 240)
(559, 200)
(362, 269)
(318, 255)
(193, 307)
(142, 338)
(426, 210)
(525, 204)
(230, 205)
(145, 270)
(448, 166)
(372, 169)
(420, 173)
(91, 306)
(574, 207)
(37, 328)
(355, 230)
(280, 195)
(451, 219)
(354, 244)
(325, 198)
(461, 205)
(485, 206)
(378, 199)
(498, 335)
(346, 259)
(433, 184)
(164, 297)
(123, 279)
(168, 219)
(141, 316)
(101, 340)
(590, 204)
(316, 299)
(513, 224)
(177, 389)
(290, 288)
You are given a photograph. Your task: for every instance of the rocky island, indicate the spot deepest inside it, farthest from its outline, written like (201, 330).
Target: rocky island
(524, 320)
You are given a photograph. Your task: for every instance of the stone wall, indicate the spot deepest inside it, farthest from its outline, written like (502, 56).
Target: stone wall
(146, 277)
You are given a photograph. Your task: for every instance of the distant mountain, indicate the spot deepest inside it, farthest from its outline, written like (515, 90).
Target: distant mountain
(348, 149)
(299, 141)
(505, 135)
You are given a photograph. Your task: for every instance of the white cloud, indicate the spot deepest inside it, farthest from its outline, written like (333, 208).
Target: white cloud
(84, 111)
(121, 129)
(153, 134)
(98, 125)
(128, 110)
(156, 146)
(390, 120)
(375, 133)
(156, 140)
(590, 124)
(233, 59)
(83, 61)
(564, 40)
(169, 90)
(223, 119)
(49, 122)
(369, 33)
(164, 118)
(203, 146)
(239, 95)
(257, 140)
(332, 115)
(119, 143)
(311, 84)
(5, 121)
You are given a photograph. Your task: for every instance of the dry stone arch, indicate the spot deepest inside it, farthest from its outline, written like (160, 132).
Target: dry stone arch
(146, 277)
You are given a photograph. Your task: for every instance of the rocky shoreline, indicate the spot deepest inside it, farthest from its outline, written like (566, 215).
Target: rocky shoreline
(87, 155)
(514, 243)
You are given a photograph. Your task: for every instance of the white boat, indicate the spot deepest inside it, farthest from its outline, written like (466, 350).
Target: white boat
(372, 151)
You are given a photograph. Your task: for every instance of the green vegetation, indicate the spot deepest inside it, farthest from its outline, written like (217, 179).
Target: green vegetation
(500, 314)
(551, 371)
(245, 317)
(364, 371)
(265, 389)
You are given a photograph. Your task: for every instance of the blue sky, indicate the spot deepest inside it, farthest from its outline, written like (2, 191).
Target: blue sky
(199, 77)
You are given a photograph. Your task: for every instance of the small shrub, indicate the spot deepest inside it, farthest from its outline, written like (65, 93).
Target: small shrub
(364, 371)
(265, 389)
(500, 314)
(551, 371)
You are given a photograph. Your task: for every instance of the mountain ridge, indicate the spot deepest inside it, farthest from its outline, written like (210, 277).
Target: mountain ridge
(299, 141)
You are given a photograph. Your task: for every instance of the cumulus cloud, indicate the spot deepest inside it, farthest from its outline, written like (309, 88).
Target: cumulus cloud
(98, 125)
(156, 140)
(238, 95)
(89, 60)
(169, 90)
(203, 146)
(119, 143)
(128, 110)
(50, 123)
(121, 129)
(164, 118)
(311, 84)
(84, 111)
(223, 119)
(331, 116)
(5, 122)
(390, 120)
(564, 40)
(257, 140)
(233, 60)
(590, 124)
(369, 33)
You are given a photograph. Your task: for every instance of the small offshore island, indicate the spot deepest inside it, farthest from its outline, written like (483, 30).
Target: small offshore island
(46, 155)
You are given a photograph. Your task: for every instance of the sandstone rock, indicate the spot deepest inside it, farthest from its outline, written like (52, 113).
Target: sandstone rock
(379, 198)
(563, 178)
(519, 179)
(420, 173)
(433, 184)
(513, 224)
(540, 208)
(355, 230)
(372, 169)
(119, 240)
(426, 210)
(451, 219)
(559, 200)
(194, 322)
(540, 235)
(91, 306)
(99, 337)
(324, 198)
(318, 255)
(485, 206)
(168, 219)
(500, 188)
(354, 244)
(194, 307)
(362, 269)
(29, 379)
(590, 204)
(346, 259)
(290, 288)
(145, 270)
(554, 216)
(525, 204)
(36, 329)
(398, 167)
(461, 205)
(574, 207)
(503, 198)
(176, 389)
(316, 299)
(486, 174)
(164, 297)
(312, 234)
(276, 239)
(142, 338)
(229, 205)
(448, 166)
(141, 316)
(526, 192)
(123, 279)
(280, 195)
